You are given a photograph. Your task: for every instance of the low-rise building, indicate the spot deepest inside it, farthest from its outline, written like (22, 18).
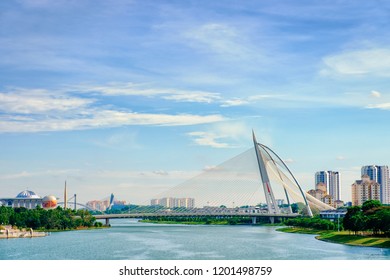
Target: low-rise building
(30, 200)
(333, 215)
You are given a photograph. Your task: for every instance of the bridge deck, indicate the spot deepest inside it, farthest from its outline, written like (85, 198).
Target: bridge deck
(210, 214)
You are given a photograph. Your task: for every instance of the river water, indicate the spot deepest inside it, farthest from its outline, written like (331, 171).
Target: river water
(131, 240)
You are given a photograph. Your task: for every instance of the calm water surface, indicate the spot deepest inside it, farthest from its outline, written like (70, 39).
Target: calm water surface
(128, 239)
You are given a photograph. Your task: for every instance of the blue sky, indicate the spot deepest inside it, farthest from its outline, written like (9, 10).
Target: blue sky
(133, 97)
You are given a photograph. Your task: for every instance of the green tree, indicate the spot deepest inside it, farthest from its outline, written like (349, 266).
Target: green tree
(371, 204)
(378, 220)
(294, 208)
(384, 224)
(355, 220)
(5, 214)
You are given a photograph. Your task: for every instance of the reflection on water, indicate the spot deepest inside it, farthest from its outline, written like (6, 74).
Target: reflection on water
(128, 239)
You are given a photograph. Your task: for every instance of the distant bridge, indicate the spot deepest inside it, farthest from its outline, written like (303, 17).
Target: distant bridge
(107, 217)
(78, 204)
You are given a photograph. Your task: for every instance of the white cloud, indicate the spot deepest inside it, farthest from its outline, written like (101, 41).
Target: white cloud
(230, 131)
(39, 101)
(383, 106)
(207, 139)
(99, 119)
(209, 167)
(234, 102)
(288, 160)
(253, 99)
(375, 94)
(195, 96)
(266, 96)
(375, 61)
(233, 129)
(40, 110)
(130, 89)
(221, 39)
(340, 158)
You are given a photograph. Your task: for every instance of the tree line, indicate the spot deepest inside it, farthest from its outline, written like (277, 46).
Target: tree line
(52, 219)
(313, 223)
(371, 217)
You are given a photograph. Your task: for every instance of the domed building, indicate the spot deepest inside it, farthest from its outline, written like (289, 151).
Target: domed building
(29, 200)
(27, 194)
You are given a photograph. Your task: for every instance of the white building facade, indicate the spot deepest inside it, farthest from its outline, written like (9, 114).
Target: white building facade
(332, 181)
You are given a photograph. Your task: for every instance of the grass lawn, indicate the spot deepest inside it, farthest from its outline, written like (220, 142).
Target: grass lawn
(342, 237)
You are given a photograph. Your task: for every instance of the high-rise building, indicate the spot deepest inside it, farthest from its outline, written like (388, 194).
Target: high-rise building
(332, 181)
(171, 202)
(99, 205)
(379, 174)
(365, 189)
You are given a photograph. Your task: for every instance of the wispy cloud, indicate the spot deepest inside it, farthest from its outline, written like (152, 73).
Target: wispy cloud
(234, 102)
(131, 89)
(219, 38)
(207, 139)
(33, 110)
(375, 94)
(253, 99)
(221, 135)
(99, 119)
(374, 61)
(381, 99)
(31, 101)
(383, 106)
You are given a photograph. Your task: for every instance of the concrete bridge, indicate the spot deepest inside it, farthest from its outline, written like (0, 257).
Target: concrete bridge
(272, 216)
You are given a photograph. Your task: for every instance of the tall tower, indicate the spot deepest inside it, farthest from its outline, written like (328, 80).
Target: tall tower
(266, 158)
(65, 197)
(332, 181)
(269, 195)
(379, 174)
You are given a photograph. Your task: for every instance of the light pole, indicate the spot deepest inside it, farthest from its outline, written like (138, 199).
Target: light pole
(338, 221)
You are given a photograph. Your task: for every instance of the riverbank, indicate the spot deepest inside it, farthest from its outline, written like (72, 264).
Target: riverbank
(73, 229)
(9, 232)
(342, 237)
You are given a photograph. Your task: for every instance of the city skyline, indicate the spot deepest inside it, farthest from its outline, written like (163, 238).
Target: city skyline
(143, 95)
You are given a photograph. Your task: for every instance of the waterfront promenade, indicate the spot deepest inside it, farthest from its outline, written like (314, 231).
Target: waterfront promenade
(9, 232)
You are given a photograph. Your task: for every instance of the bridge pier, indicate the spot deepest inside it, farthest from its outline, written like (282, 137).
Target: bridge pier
(107, 221)
(254, 220)
(272, 220)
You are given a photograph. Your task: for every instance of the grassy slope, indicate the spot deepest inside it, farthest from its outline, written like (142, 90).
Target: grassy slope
(343, 237)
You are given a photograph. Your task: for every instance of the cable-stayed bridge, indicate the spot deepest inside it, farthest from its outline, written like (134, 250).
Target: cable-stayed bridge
(255, 183)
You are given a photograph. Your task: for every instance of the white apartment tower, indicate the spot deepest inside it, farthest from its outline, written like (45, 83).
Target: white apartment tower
(332, 181)
(379, 174)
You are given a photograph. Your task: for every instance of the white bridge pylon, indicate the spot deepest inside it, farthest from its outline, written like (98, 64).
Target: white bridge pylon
(272, 168)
